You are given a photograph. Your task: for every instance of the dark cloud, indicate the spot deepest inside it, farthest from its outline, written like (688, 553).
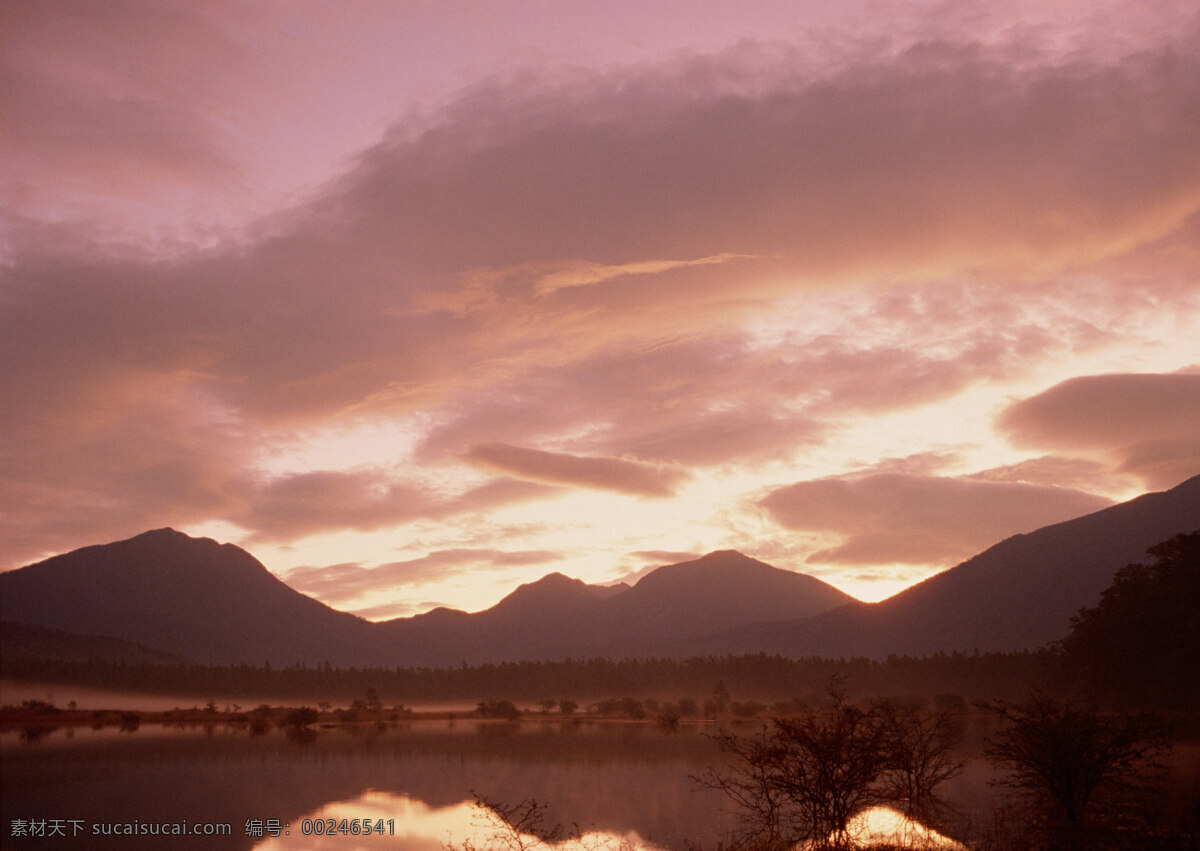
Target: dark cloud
(1144, 423)
(894, 518)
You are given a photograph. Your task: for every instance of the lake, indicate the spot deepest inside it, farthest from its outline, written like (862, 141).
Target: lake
(413, 782)
(616, 778)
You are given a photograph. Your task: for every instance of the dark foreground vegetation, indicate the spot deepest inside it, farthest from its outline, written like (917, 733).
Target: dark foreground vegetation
(1068, 776)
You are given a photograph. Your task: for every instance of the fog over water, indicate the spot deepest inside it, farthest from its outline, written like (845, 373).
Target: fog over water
(616, 781)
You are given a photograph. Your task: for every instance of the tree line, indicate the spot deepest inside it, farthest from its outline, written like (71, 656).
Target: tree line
(759, 677)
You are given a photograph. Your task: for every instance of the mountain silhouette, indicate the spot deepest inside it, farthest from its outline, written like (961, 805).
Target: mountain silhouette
(1019, 594)
(558, 617)
(195, 599)
(187, 597)
(215, 603)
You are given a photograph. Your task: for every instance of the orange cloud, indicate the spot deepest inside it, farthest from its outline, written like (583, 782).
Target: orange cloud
(559, 468)
(1145, 423)
(294, 506)
(895, 518)
(341, 582)
(619, 213)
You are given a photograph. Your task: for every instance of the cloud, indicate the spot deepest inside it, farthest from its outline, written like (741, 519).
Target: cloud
(342, 582)
(661, 557)
(1144, 423)
(563, 264)
(895, 518)
(1057, 470)
(651, 560)
(389, 611)
(293, 506)
(728, 396)
(615, 474)
(586, 274)
(88, 128)
(289, 507)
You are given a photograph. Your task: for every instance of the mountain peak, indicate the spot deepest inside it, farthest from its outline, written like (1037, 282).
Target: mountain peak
(731, 558)
(728, 564)
(177, 593)
(552, 589)
(166, 534)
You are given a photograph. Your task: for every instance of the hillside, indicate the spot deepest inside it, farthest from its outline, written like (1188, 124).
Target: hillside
(1019, 594)
(182, 596)
(195, 599)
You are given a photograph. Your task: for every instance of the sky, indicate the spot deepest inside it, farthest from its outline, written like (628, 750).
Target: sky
(417, 301)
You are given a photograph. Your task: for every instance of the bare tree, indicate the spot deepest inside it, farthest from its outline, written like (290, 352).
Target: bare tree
(525, 827)
(1064, 757)
(805, 778)
(922, 754)
(749, 783)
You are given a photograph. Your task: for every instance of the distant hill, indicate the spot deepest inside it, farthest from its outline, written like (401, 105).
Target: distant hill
(1019, 594)
(195, 599)
(21, 641)
(557, 617)
(186, 597)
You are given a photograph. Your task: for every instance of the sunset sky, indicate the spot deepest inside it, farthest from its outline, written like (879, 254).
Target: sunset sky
(417, 301)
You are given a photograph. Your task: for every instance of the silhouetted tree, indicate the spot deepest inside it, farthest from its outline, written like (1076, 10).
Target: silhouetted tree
(1063, 756)
(516, 827)
(805, 777)
(749, 781)
(1143, 638)
(301, 717)
(922, 754)
(505, 709)
(371, 701)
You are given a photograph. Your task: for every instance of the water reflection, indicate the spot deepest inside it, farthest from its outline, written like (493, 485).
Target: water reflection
(420, 827)
(413, 825)
(883, 826)
(623, 782)
(407, 823)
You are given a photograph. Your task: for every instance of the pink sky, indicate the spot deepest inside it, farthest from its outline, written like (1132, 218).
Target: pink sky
(418, 301)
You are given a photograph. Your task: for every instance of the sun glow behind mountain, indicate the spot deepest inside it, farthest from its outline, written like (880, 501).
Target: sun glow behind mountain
(439, 301)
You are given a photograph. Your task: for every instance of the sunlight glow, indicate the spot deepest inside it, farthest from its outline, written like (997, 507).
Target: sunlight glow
(883, 826)
(419, 826)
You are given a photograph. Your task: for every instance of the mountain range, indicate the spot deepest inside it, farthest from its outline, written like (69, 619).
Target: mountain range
(165, 595)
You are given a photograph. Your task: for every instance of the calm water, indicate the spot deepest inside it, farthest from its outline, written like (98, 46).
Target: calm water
(620, 779)
(415, 781)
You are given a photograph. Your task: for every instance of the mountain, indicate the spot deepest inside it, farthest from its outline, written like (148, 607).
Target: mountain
(1019, 594)
(183, 596)
(718, 592)
(41, 643)
(196, 599)
(557, 617)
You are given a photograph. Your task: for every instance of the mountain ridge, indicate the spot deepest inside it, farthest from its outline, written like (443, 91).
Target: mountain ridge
(197, 599)
(1018, 594)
